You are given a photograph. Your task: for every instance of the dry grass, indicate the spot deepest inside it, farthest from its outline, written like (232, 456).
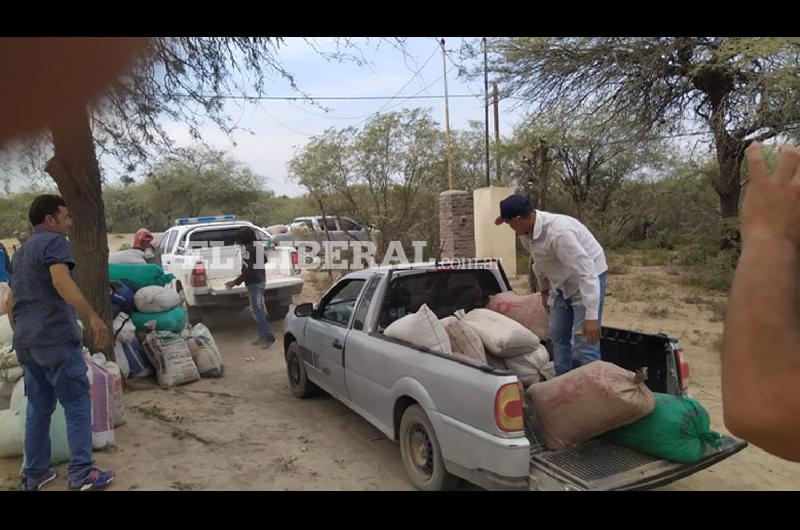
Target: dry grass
(656, 311)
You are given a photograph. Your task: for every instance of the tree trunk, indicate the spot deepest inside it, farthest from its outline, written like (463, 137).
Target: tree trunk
(327, 234)
(75, 170)
(728, 186)
(544, 176)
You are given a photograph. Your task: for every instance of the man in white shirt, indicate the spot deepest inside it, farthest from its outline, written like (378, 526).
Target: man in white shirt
(571, 269)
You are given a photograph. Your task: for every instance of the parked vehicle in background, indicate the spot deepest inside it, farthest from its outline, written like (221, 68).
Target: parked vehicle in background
(203, 255)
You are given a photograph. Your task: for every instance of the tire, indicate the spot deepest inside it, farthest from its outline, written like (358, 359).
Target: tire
(276, 311)
(298, 379)
(194, 315)
(420, 452)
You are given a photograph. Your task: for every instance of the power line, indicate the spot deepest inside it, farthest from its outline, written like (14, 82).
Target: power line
(276, 120)
(312, 98)
(416, 74)
(426, 87)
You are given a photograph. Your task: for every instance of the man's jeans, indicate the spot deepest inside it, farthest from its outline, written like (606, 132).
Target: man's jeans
(259, 311)
(57, 372)
(567, 317)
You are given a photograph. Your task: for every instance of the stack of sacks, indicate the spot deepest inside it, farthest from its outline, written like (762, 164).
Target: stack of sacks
(205, 351)
(128, 352)
(525, 309)
(171, 356)
(158, 309)
(465, 342)
(10, 427)
(10, 374)
(155, 307)
(422, 329)
(5, 293)
(510, 345)
(678, 429)
(589, 401)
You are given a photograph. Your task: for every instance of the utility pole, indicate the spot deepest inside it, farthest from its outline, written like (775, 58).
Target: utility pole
(543, 174)
(447, 122)
(496, 132)
(486, 102)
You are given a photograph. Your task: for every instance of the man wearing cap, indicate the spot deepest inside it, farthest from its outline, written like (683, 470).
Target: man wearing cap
(142, 250)
(571, 269)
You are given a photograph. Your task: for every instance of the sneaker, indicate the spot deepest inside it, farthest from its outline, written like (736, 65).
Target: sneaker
(29, 485)
(97, 480)
(265, 344)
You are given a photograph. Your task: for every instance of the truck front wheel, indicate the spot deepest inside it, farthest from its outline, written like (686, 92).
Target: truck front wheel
(298, 380)
(420, 452)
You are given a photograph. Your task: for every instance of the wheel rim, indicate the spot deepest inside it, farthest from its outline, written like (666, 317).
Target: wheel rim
(420, 449)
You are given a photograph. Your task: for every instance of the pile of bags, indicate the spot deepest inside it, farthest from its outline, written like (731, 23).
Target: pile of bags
(107, 409)
(602, 398)
(138, 290)
(12, 390)
(598, 399)
(482, 337)
(150, 329)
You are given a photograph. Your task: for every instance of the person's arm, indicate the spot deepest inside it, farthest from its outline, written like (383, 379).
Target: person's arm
(239, 279)
(63, 283)
(761, 347)
(572, 254)
(544, 286)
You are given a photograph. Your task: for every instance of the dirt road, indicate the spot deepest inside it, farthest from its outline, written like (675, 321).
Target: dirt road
(245, 431)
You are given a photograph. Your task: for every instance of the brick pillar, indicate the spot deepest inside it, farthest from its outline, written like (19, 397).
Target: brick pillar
(456, 224)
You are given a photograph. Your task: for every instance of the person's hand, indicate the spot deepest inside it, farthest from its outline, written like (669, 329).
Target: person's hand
(546, 300)
(591, 331)
(771, 208)
(99, 332)
(230, 285)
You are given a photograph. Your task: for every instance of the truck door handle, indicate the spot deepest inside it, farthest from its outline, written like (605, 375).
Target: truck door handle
(337, 344)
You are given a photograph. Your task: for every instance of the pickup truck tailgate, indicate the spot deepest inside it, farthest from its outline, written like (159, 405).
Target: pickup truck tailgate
(602, 465)
(275, 280)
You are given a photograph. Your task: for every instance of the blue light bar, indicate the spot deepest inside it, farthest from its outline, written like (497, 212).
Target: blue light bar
(206, 219)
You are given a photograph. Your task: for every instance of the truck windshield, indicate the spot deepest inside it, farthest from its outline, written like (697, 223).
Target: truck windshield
(219, 237)
(444, 291)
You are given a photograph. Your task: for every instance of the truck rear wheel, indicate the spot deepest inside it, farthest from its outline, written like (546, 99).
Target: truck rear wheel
(194, 315)
(420, 452)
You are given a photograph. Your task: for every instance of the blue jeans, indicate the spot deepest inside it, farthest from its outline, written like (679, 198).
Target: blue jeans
(567, 316)
(259, 311)
(57, 372)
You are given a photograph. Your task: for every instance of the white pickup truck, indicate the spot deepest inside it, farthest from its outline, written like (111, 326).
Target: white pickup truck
(203, 255)
(454, 419)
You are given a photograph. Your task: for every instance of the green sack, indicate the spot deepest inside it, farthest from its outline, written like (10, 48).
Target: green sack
(137, 275)
(59, 447)
(173, 320)
(678, 429)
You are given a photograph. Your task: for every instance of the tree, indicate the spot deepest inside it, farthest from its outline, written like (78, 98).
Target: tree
(378, 174)
(741, 89)
(588, 166)
(200, 181)
(185, 79)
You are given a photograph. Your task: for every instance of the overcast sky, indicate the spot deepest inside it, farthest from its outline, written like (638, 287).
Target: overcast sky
(280, 127)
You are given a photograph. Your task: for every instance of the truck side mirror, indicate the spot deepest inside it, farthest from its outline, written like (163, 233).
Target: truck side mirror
(304, 310)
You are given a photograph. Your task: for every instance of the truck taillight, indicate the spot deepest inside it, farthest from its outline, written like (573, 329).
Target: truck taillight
(199, 276)
(683, 369)
(508, 408)
(295, 258)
